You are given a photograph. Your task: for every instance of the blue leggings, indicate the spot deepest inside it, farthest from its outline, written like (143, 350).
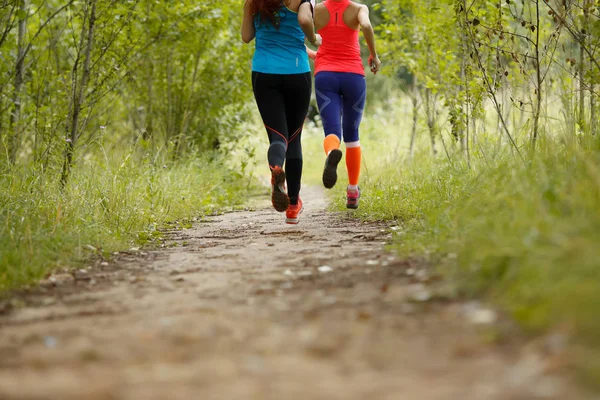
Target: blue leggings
(341, 98)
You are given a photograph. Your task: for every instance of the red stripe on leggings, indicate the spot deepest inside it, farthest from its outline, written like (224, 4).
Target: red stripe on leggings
(296, 133)
(277, 132)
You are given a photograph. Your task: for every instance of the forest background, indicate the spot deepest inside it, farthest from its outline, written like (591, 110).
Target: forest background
(120, 117)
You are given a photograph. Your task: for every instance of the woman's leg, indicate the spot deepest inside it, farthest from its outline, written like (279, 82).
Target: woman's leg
(329, 100)
(354, 92)
(297, 99)
(268, 92)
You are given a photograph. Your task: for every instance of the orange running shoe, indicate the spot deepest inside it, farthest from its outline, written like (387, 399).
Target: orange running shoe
(293, 212)
(279, 197)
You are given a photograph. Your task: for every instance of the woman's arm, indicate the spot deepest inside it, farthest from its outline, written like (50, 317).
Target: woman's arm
(248, 31)
(305, 19)
(311, 53)
(369, 34)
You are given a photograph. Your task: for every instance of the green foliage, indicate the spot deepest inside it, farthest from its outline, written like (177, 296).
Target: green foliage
(192, 82)
(135, 96)
(175, 72)
(111, 204)
(508, 55)
(416, 38)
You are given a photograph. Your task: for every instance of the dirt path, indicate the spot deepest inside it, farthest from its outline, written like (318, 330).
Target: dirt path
(245, 307)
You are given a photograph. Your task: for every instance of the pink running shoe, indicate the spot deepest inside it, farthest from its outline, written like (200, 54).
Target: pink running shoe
(352, 197)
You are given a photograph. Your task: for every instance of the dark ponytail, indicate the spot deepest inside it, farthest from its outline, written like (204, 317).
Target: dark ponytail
(266, 10)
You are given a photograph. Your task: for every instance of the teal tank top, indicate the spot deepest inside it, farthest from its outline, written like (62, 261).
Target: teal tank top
(280, 51)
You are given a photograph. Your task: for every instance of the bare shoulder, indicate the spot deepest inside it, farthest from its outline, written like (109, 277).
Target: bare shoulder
(358, 6)
(321, 16)
(319, 8)
(355, 8)
(292, 4)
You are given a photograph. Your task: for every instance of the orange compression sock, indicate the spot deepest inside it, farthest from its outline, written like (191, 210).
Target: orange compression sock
(353, 158)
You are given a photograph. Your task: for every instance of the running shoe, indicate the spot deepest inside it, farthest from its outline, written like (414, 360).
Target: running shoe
(330, 170)
(279, 197)
(352, 197)
(293, 212)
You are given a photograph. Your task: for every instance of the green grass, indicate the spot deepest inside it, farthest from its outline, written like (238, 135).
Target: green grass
(524, 234)
(110, 204)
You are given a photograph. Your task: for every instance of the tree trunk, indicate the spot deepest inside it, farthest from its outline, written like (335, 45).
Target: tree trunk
(15, 117)
(149, 130)
(473, 134)
(79, 90)
(581, 72)
(170, 129)
(593, 109)
(538, 101)
(460, 125)
(5, 134)
(465, 82)
(592, 87)
(187, 113)
(4, 158)
(430, 120)
(415, 104)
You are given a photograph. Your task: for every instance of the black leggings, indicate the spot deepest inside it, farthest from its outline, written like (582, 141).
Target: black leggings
(283, 102)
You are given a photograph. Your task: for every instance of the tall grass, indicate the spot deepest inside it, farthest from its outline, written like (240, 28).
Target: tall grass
(525, 234)
(110, 203)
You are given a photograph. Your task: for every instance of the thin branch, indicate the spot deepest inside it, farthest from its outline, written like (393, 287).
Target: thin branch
(491, 92)
(42, 27)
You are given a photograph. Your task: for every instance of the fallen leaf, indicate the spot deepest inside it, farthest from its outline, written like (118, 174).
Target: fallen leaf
(363, 316)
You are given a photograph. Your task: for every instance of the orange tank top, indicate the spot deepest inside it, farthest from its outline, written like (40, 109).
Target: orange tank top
(340, 51)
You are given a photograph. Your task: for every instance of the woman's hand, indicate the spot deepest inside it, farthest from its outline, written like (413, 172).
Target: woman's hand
(374, 63)
(305, 20)
(317, 41)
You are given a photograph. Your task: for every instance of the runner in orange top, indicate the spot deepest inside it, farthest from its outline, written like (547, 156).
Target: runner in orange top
(340, 85)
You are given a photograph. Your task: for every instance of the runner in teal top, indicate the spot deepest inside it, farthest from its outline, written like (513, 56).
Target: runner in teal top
(281, 81)
(280, 50)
